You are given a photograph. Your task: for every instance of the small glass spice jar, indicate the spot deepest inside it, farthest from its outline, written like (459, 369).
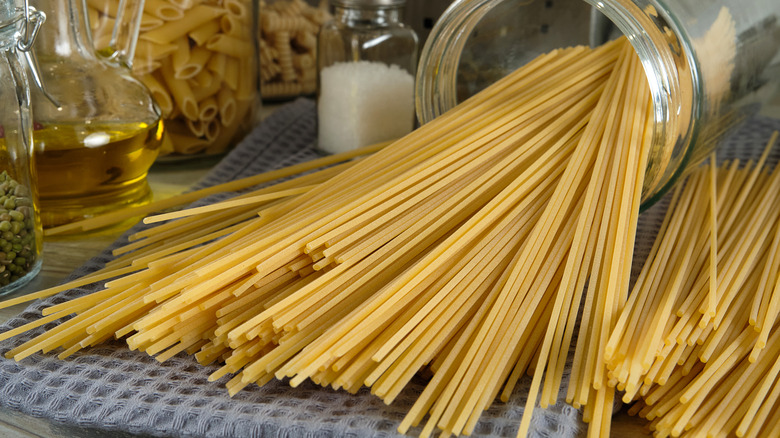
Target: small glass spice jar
(367, 59)
(21, 235)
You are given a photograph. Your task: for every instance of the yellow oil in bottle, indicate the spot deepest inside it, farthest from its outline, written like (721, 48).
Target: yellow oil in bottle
(84, 170)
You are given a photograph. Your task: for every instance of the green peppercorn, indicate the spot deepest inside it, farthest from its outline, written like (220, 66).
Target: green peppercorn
(17, 229)
(22, 191)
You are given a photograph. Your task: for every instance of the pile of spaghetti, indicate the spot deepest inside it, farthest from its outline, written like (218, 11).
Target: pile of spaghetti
(474, 247)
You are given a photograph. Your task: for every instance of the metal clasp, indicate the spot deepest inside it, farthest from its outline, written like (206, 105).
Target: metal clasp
(33, 19)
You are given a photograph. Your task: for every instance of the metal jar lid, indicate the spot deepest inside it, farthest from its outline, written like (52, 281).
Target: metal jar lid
(369, 3)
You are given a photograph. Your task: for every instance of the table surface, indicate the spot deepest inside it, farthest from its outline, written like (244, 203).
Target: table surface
(167, 179)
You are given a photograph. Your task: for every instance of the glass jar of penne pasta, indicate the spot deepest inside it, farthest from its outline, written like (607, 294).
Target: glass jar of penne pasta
(21, 235)
(200, 60)
(709, 64)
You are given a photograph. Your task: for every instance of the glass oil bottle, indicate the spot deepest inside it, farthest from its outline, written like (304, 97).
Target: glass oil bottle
(94, 149)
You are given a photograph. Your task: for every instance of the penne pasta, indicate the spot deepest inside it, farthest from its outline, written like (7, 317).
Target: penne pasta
(159, 92)
(149, 22)
(186, 144)
(238, 9)
(103, 7)
(187, 52)
(163, 10)
(206, 31)
(181, 92)
(195, 63)
(192, 19)
(181, 55)
(231, 46)
(228, 109)
(147, 50)
(208, 109)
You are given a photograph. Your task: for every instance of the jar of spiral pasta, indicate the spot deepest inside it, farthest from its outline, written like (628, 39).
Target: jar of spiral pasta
(200, 60)
(709, 63)
(288, 47)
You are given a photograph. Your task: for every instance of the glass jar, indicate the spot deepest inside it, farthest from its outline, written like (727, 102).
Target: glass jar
(366, 63)
(288, 47)
(709, 63)
(21, 235)
(200, 61)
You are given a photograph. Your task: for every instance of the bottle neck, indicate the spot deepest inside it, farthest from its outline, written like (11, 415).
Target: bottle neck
(365, 16)
(66, 33)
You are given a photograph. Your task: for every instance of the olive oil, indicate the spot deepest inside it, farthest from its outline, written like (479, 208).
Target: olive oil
(84, 170)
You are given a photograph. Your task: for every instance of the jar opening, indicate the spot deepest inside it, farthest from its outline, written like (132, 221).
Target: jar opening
(369, 3)
(476, 43)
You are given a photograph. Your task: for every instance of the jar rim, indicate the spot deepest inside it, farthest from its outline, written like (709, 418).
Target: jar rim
(10, 26)
(676, 96)
(369, 3)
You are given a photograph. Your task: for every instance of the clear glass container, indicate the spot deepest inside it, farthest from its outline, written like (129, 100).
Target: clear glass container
(367, 60)
(710, 64)
(21, 235)
(200, 60)
(93, 151)
(288, 47)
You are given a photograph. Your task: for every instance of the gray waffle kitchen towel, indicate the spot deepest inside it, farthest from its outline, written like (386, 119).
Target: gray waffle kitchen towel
(114, 389)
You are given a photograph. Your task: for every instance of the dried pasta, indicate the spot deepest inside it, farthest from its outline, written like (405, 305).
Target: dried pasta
(178, 43)
(468, 247)
(705, 373)
(289, 31)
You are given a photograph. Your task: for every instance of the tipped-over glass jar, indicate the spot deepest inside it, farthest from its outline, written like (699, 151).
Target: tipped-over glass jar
(708, 63)
(366, 63)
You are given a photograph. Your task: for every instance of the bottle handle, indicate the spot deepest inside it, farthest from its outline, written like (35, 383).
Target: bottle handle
(124, 35)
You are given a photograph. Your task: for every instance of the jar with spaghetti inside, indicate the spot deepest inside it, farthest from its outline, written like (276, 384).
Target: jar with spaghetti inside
(709, 64)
